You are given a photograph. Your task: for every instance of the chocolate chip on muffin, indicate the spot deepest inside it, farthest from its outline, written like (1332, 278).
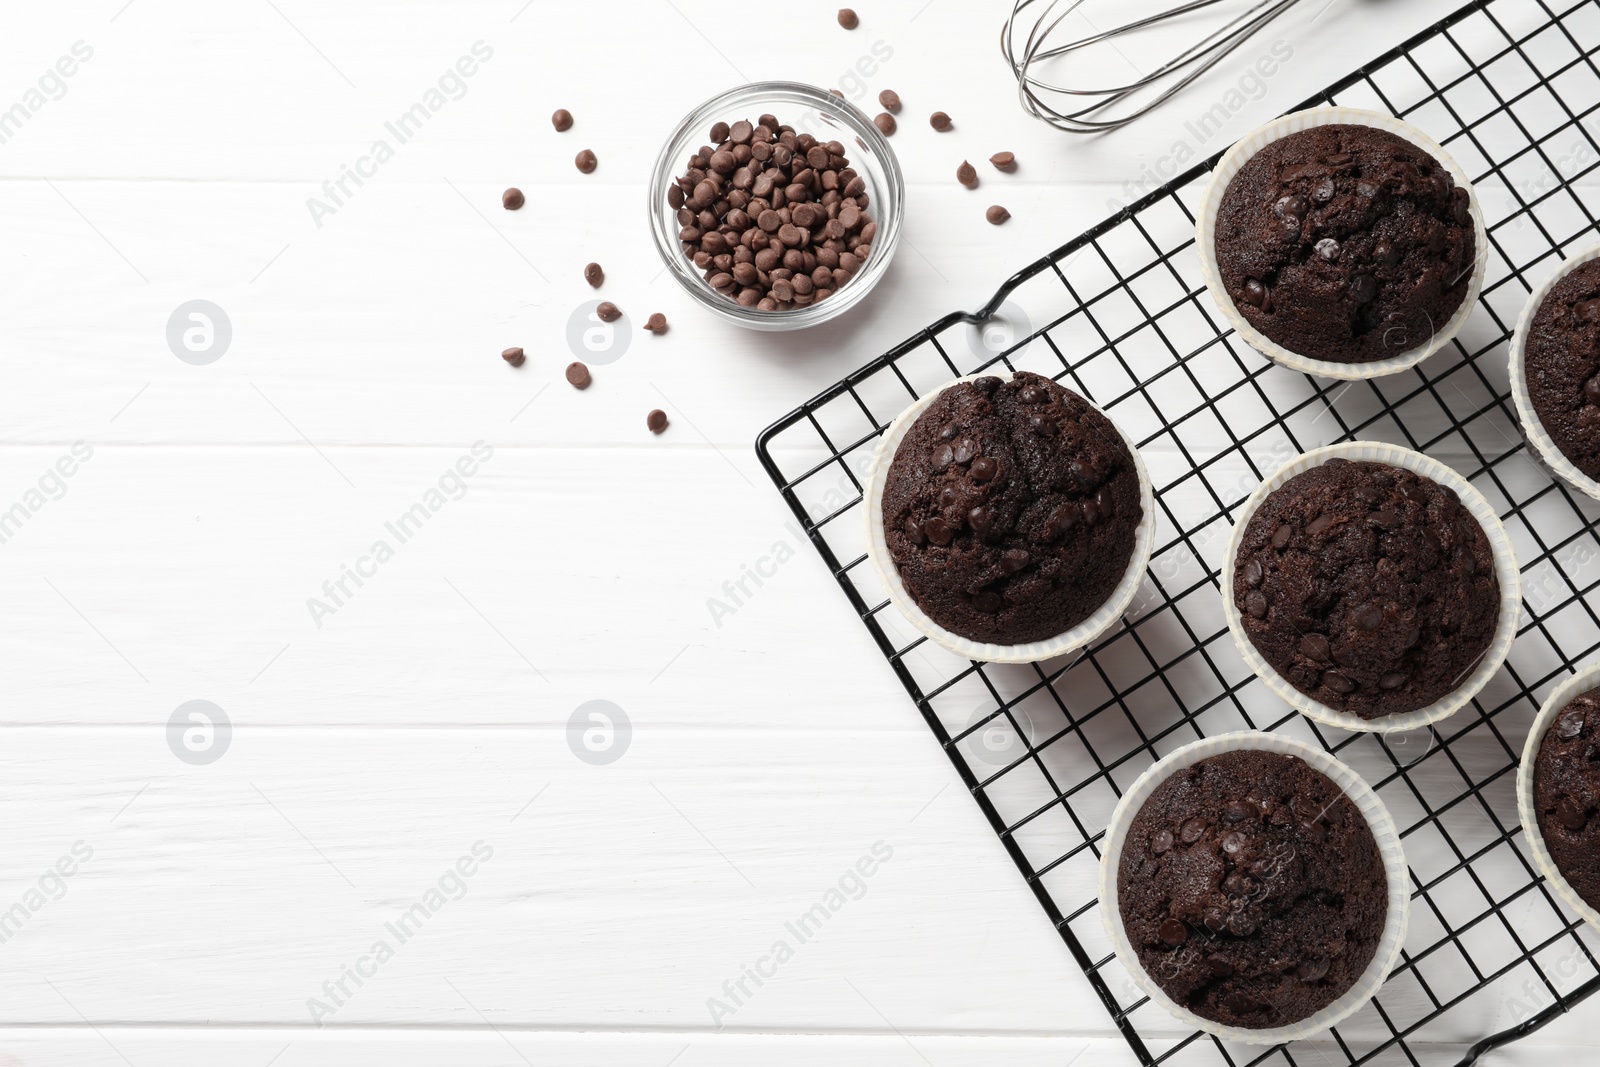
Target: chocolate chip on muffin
(1345, 243)
(1252, 889)
(1010, 509)
(1561, 358)
(1368, 587)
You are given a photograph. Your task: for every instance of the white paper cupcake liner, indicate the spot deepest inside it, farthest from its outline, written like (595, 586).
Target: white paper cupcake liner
(1383, 831)
(1586, 679)
(1505, 568)
(1544, 447)
(1206, 226)
(1062, 644)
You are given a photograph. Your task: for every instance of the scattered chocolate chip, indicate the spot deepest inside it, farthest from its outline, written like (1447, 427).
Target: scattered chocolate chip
(1591, 390)
(1254, 572)
(1219, 966)
(890, 100)
(913, 530)
(1241, 925)
(965, 450)
(1104, 501)
(1280, 536)
(982, 519)
(1013, 560)
(1363, 288)
(1323, 191)
(1091, 513)
(1254, 294)
(997, 215)
(594, 275)
(987, 601)
(1192, 830)
(1319, 524)
(1172, 932)
(967, 175)
(1392, 679)
(1569, 725)
(885, 123)
(1338, 682)
(1161, 841)
(1062, 519)
(578, 375)
(513, 356)
(1241, 1002)
(938, 531)
(512, 199)
(940, 121)
(586, 161)
(656, 323)
(943, 456)
(1311, 970)
(1233, 841)
(1236, 811)
(984, 469)
(1006, 161)
(561, 120)
(1328, 249)
(1316, 647)
(1368, 616)
(656, 420)
(1384, 520)
(1384, 254)
(608, 312)
(848, 18)
(1256, 604)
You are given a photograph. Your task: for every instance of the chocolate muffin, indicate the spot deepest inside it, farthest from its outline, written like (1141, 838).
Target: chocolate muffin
(1345, 243)
(1566, 794)
(1252, 889)
(1010, 509)
(1561, 360)
(1370, 588)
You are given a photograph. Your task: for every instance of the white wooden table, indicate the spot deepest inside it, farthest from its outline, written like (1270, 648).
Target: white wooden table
(422, 716)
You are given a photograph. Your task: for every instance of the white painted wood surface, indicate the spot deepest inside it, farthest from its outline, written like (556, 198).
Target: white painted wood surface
(771, 748)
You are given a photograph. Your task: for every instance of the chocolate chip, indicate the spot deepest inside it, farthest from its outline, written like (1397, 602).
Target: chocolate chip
(890, 100)
(1062, 519)
(1006, 161)
(1219, 966)
(938, 531)
(1571, 815)
(1323, 191)
(1237, 811)
(1161, 841)
(512, 199)
(940, 121)
(1253, 572)
(561, 120)
(1363, 288)
(967, 175)
(1013, 560)
(1319, 524)
(1384, 520)
(965, 450)
(1241, 1002)
(1233, 841)
(586, 161)
(594, 275)
(1316, 829)
(1367, 616)
(1241, 925)
(608, 312)
(987, 384)
(1292, 206)
(1192, 830)
(1280, 537)
(1311, 970)
(1328, 249)
(1591, 390)
(1105, 502)
(513, 356)
(1255, 294)
(996, 215)
(656, 323)
(1172, 932)
(1214, 917)
(988, 602)
(913, 530)
(1392, 679)
(1569, 725)
(1256, 604)
(848, 18)
(885, 123)
(1338, 682)
(1315, 647)
(656, 420)
(949, 431)
(943, 456)
(578, 375)
(1031, 394)
(984, 469)
(1091, 513)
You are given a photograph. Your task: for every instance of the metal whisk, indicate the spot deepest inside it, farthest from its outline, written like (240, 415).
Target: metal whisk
(1096, 109)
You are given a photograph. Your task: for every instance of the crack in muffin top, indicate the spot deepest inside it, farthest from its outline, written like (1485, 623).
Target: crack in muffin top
(1010, 509)
(1368, 587)
(1345, 243)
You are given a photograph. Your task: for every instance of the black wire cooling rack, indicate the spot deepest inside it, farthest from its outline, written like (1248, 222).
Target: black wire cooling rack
(1511, 88)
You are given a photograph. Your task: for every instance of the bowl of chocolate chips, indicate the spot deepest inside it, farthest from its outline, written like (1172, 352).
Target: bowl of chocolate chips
(777, 205)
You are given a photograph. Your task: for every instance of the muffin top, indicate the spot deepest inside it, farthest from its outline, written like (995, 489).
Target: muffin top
(1561, 360)
(1566, 793)
(1010, 509)
(1345, 243)
(1252, 889)
(1368, 587)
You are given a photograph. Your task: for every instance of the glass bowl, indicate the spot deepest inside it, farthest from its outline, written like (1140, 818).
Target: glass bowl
(808, 110)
